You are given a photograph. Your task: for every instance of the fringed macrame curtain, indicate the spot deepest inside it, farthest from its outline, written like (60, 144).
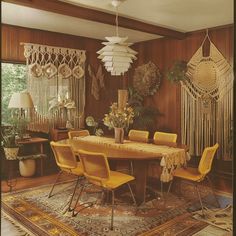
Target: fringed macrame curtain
(207, 103)
(55, 76)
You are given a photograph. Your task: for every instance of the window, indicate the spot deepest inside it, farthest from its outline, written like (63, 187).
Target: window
(13, 80)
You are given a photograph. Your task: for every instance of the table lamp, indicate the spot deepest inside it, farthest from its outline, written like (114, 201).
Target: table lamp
(21, 100)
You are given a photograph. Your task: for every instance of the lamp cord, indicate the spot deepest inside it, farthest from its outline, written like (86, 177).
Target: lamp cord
(117, 31)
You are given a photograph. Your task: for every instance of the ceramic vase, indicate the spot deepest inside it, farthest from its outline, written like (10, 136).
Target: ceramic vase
(119, 135)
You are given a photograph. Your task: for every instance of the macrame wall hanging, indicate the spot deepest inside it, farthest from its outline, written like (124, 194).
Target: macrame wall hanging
(207, 102)
(97, 81)
(56, 78)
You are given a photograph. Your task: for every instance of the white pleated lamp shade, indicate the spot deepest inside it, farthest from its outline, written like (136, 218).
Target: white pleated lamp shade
(116, 55)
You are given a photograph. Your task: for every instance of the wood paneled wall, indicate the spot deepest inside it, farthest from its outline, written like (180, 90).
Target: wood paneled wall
(163, 52)
(12, 51)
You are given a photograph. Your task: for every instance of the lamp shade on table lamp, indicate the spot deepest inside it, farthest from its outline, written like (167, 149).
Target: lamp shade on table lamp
(21, 100)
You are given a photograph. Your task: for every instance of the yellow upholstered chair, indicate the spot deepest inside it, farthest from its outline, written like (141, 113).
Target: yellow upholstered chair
(78, 133)
(67, 162)
(197, 175)
(96, 170)
(164, 137)
(137, 136)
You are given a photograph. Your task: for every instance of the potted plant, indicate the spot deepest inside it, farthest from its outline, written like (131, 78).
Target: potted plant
(9, 144)
(177, 72)
(93, 126)
(144, 116)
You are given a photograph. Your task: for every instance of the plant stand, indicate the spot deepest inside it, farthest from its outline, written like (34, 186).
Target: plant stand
(11, 180)
(11, 156)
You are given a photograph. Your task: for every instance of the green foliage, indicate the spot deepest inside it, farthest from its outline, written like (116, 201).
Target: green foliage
(144, 116)
(177, 72)
(93, 126)
(16, 127)
(8, 134)
(13, 80)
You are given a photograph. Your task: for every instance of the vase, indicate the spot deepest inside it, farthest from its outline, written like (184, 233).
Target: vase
(27, 167)
(119, 135)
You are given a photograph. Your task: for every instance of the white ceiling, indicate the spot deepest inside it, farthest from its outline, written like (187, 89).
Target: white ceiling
(181, 15)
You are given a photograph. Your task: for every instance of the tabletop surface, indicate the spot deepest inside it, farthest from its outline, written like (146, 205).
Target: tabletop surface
(33, 140)
(127, 150)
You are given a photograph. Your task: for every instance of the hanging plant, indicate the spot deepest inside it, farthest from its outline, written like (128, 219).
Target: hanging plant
(177, 72)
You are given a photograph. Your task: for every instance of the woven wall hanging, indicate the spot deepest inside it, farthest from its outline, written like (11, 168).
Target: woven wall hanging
(147, 79)
(207, 102)
(55, 73)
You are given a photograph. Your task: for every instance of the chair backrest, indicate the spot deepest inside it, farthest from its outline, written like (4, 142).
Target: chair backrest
(78, 133)
(205, 163)
(164, 137)
(95, 166)
(138, 135)
(64, 155)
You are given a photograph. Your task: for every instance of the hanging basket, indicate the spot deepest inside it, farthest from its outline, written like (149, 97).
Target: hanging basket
(11, 153)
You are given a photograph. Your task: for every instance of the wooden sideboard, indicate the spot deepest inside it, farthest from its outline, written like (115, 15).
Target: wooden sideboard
(58, 134)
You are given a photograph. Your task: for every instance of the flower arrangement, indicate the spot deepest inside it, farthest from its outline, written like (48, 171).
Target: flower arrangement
(119, 118)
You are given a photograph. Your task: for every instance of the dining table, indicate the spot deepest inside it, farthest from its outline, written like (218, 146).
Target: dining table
(171, 156)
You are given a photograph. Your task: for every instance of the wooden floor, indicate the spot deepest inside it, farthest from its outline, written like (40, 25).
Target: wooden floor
(24, 183)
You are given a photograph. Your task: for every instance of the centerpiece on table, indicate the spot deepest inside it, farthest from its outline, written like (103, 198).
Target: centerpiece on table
(119, 118)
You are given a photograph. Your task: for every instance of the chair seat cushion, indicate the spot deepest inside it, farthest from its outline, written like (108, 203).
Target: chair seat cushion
(117, 179)
(188, 173)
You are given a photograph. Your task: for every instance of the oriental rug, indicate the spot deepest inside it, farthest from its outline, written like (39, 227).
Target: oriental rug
(44, 216)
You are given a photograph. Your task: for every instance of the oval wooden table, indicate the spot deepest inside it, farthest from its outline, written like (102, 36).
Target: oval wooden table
(139, 153)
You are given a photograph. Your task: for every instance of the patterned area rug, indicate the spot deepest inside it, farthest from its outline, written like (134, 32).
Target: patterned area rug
(41, 215)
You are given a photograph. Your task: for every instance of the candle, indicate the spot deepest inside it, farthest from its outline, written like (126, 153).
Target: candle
(122, 98)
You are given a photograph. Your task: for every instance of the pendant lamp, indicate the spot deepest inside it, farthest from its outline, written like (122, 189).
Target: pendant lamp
(116, 55)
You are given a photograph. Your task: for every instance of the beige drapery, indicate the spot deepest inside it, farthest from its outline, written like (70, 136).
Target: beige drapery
(207, 103)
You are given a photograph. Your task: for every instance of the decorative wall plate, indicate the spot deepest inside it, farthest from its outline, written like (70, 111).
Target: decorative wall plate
(147, 79)
(50, 70)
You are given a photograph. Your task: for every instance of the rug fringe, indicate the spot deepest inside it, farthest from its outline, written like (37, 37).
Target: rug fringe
(19, 227)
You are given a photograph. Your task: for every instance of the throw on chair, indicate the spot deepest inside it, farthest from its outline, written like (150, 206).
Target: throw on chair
(163, 138)
(137, 136)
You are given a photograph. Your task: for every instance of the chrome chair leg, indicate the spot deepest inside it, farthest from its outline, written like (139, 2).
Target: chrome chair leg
(77, 200)
(71, 199)
(112, 209)
(200, 199)
(169, 187)
(58, 176)
(161, 188)
(131, 192)
(212, 189)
